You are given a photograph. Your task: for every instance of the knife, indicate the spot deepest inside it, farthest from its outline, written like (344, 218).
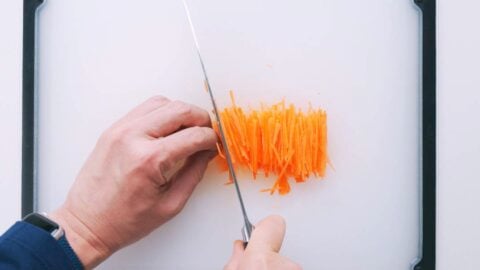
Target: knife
(248, 227)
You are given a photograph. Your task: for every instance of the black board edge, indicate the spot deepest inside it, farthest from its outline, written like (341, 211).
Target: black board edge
(428, 163)
(28, 106)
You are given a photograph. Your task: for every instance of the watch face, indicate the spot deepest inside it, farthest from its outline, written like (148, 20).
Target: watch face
(41, 222)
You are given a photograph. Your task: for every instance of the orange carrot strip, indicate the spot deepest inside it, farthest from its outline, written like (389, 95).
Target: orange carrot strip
(277, 139)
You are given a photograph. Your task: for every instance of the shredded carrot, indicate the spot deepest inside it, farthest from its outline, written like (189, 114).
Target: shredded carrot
(276, 139)
(205, 85)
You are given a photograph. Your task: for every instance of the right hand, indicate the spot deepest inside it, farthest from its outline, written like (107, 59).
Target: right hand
(262, 250)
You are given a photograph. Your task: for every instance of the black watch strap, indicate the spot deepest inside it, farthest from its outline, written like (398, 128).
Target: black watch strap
(43, 222)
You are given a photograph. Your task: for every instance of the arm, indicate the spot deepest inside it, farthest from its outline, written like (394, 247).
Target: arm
(25, 246)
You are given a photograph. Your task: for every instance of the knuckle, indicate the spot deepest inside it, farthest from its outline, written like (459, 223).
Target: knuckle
(116, 135)
(150, 162)
(173, 207)
(182, 108)
(163, 163)
(157, 99)
(198, 135)
(162, 154)
(205, 117)
(139, 159)
(161, 160)
(143, 156)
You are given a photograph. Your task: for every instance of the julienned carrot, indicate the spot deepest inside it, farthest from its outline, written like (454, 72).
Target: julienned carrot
(278, 139)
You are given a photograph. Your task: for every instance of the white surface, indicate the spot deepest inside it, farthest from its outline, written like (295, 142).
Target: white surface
(359, 61)
(458, 220)
(95, 103)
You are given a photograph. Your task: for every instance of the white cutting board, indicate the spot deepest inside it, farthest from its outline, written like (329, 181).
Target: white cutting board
(359, 60)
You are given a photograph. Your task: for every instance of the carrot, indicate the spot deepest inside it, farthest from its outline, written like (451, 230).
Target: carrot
(276, 139)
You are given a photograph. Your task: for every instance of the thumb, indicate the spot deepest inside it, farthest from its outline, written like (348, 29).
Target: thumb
(237, 255)
(268, 234)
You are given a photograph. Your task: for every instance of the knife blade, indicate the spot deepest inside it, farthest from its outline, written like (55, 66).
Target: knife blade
(248, 227)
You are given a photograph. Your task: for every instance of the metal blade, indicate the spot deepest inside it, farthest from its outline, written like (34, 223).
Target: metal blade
(247, 230)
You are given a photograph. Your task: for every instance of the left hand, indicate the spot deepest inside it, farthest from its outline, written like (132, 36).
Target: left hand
(130, 185)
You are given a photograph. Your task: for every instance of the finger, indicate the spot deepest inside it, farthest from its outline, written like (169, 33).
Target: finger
(186, 142)
(186, 179)
(268, 234)
(237, 255)
(147, 106)
(173, 116)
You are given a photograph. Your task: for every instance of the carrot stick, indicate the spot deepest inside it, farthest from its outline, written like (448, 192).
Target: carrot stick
(278, 139)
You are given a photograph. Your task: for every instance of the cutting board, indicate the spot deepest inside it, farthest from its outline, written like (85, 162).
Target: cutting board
(359, 60)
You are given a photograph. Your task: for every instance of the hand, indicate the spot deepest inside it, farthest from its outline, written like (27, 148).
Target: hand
(140, 174)
(262, 250)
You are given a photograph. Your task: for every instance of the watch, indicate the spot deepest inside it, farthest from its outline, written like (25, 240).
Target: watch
(43, 222)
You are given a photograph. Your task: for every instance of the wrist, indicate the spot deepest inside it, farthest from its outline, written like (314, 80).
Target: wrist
(87, 245)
